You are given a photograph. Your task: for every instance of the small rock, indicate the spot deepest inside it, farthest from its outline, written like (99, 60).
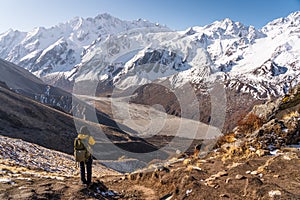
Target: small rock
(211, 184)
(261, 169)
(164, 169)
(254, 172)
(188, 192)
(276, 176)
(197, 168)
(224, 195)
(274, 193)
(212, 178)
(290, 156)
(261, 152)
(239, 177)
(220, 174)
(227, 180)
(223, 173)
(234, 165)
(248, 172)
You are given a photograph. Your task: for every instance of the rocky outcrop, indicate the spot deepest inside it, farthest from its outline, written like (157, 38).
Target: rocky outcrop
(268, 127)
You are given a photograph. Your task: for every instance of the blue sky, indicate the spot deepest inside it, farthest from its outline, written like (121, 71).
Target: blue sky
(24, 15)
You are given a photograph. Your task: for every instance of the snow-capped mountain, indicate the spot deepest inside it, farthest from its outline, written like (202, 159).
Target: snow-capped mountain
(262, 62)
(254, 65)
(111, 50)
(198, 50)
(58, 49)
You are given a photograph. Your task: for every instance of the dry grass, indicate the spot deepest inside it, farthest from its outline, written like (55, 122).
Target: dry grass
(228, 138)
(250, 123)
(290, 115)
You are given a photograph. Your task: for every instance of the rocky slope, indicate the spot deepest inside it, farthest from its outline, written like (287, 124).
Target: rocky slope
(23, 82)
(18, 153)
(259, 160)
(29, 170)
(237, 169)
(270, 126)
(208, 178)
(24, 118)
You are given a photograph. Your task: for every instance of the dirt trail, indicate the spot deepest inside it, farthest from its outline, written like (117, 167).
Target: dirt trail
(267, 177)
(149, 194)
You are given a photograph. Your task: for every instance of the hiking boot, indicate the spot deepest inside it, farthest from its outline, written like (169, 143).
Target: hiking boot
(88, 184)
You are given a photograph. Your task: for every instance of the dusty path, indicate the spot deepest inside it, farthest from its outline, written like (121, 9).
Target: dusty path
(149, 194)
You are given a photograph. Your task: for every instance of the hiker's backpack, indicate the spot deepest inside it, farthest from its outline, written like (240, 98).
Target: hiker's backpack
(80, 152)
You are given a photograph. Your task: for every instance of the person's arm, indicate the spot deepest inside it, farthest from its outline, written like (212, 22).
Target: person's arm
(75, 141)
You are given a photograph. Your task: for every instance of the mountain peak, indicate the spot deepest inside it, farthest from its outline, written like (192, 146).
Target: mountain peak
(9, 32)
(227, 21)
(104, 16)
(295, 15)
(39, 50)
(277, 26)
(292, 19)
(225, 24)
(190, 31)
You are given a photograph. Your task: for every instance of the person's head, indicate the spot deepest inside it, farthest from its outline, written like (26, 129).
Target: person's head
(84, 130)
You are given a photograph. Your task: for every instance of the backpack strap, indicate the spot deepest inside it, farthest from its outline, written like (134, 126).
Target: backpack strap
(78, 143)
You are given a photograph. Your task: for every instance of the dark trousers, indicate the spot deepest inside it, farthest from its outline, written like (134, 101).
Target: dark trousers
(88, 166)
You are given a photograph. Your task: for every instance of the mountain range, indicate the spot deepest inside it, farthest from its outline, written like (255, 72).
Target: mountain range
(58, 49)
(221, 50)
(140, 57)
(148, 87)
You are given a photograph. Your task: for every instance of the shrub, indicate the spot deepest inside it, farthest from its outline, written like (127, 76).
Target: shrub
(291, 114)
(285, 99)
(227, 138)
(250, 123)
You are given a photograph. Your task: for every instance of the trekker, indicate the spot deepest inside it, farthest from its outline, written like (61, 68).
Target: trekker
(83, 154)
